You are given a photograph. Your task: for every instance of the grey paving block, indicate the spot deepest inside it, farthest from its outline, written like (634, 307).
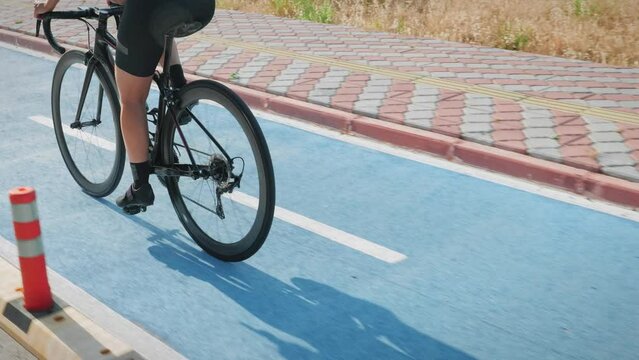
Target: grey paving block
(324, 53)
(571, 78)
(468, 75)
(602, 91)
(338, 73)
(322, 92)
(425, 90)
(441, 74)
(546, 154)
(624, 172)
(278, 90)
(479, 137)
(495, 76)
(216, 61)
(629, 91)
(298, 65)
(285, 83)
(616, 159)
(541, 88)
(479, 101)
(610, 147)
(379, 82)
(320, 100)
(363, 104)
(478, 66)
(604, 103)
(452, 65)
(629, 104)
(543, 123)
(372, 96)
(419, 123)
(523, 77)
(541, 143)
(429, 99)
(380, 63)
(602, 127)
(611, 136)
(328, 85)
(295, 71)
(516, 87)
(469, 110)
(377, 89)
(603, 79)
(434, 56)
(404, 63)
(422, 114)
(502, 67)
(595, 120)
(287, 77)
(425, 106)
(476, 128)
(574, 89)
(204, 72)
(540, 132)
(478, 118)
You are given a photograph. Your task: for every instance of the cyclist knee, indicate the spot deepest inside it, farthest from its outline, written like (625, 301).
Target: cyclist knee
(132, 103)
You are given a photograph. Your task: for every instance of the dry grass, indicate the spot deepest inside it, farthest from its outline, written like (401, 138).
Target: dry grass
(604, 31)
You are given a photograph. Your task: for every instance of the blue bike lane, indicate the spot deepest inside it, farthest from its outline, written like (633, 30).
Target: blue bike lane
(488, 271)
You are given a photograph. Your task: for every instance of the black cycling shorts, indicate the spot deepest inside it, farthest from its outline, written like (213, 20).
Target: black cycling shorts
(145, 22)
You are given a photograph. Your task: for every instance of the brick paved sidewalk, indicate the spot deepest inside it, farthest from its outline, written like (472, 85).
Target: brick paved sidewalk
(577, 113)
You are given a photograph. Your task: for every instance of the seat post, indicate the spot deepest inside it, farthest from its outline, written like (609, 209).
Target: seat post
(168, 47)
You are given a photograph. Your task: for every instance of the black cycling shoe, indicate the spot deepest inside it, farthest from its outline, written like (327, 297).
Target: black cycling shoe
(136, 200)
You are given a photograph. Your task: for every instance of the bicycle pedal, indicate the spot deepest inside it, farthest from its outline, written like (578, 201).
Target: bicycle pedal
(133, 210)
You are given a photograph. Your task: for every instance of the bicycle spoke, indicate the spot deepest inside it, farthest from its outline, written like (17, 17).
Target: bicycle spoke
(198, 204)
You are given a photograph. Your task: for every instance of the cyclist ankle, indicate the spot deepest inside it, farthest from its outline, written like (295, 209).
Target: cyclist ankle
(141, 172)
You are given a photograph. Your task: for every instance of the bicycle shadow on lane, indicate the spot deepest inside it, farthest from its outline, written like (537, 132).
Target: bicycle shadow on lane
(333, 323)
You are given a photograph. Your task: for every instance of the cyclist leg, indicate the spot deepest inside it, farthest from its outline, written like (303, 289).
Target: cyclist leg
(136, 58)
(140, 46)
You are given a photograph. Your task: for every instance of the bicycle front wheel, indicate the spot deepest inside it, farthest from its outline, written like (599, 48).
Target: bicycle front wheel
(87, 127)
(228, 207)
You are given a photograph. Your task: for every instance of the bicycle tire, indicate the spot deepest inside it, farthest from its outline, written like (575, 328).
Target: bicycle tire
(238, 117)
(114, 165)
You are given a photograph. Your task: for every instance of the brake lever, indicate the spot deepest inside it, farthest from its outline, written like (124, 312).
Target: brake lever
(38, 24)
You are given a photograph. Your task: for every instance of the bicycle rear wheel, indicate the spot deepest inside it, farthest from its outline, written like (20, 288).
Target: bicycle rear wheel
(88, 135)
(248, 208)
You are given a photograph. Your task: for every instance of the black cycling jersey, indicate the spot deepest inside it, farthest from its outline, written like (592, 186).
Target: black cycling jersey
(144, 24)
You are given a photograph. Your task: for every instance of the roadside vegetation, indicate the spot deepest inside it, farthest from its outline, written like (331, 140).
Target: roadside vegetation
(603, 31)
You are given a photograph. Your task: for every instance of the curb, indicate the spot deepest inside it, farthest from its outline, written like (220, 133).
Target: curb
(583, 182)
(62, 333)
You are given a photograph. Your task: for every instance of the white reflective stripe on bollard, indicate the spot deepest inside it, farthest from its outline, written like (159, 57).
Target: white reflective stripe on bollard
(30, 248)
(24, 213)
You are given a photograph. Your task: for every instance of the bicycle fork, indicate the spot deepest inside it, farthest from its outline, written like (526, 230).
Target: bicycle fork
(77, 124)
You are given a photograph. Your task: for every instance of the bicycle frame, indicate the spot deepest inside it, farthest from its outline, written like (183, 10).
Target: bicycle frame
(168, 100)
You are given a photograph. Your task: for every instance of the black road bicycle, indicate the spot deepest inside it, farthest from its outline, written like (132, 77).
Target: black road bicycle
(205, 145)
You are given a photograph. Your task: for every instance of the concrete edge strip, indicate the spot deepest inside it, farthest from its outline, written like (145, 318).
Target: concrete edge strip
(91, 328)
(62, 333)
(582, 182)
(608, 114)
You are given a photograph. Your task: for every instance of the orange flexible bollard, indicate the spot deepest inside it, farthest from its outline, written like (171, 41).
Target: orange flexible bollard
(37, 293)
